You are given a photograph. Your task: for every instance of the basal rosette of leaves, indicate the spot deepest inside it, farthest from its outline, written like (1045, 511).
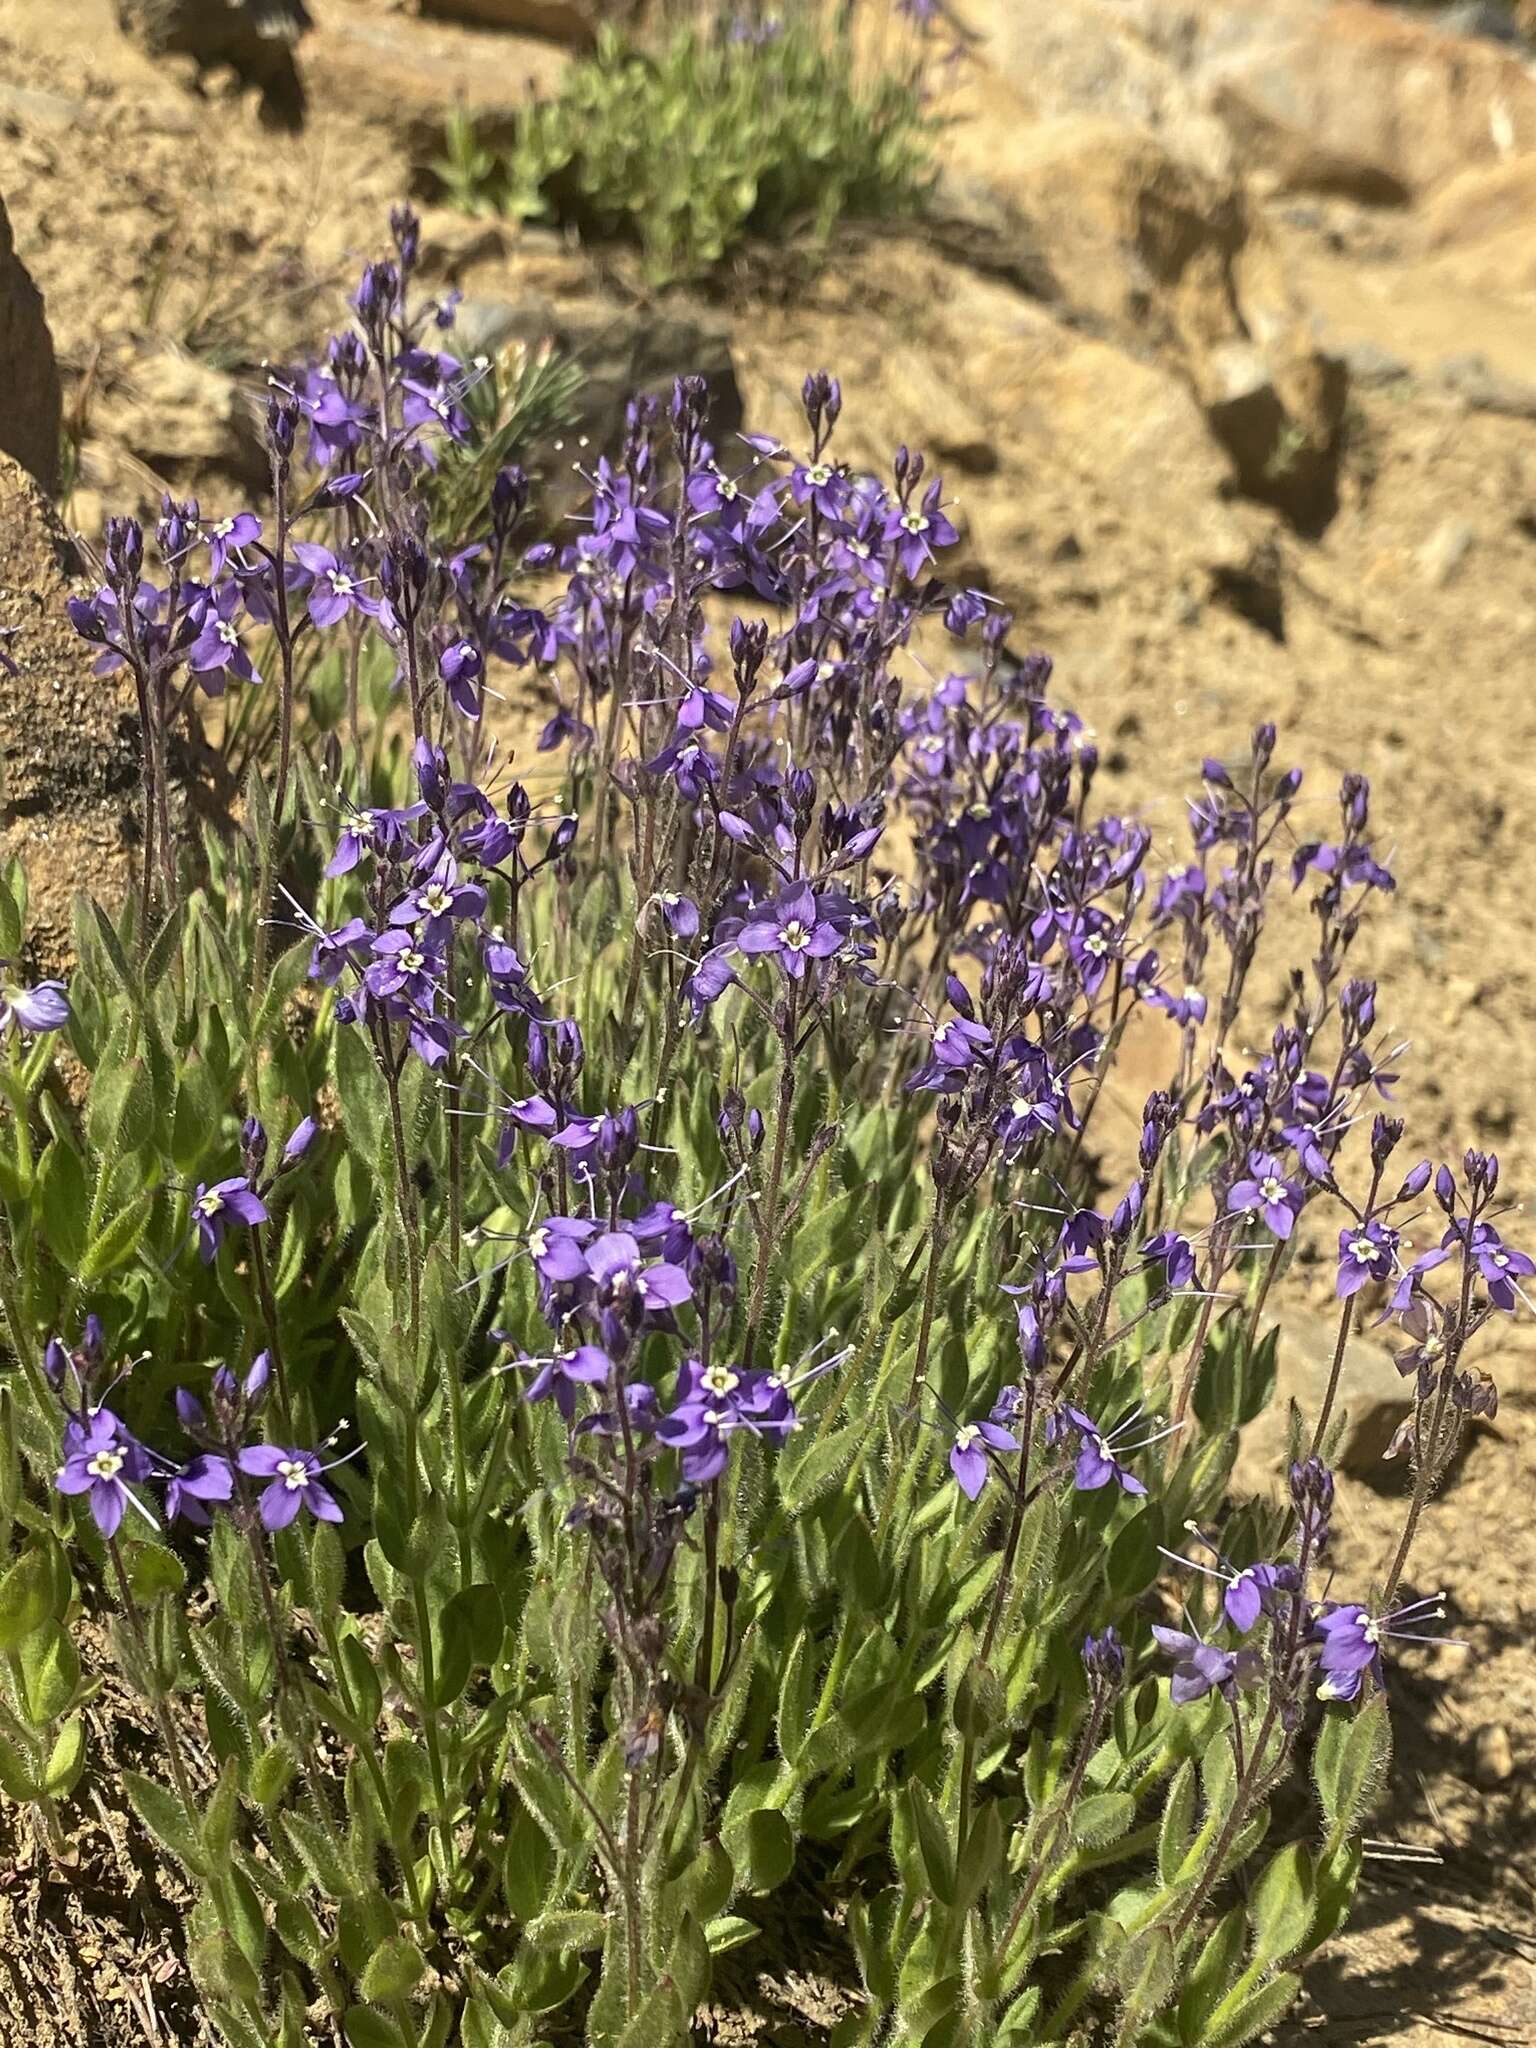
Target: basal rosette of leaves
(741, 128)
(566, 1316)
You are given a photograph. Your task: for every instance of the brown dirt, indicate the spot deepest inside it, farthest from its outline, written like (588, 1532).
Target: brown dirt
(1400, 641)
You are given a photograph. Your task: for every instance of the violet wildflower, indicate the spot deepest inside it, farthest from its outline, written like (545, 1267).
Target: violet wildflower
(792, 931)
(1201, 1667)
(559, 1377)
(194, 1487)
(217, 653)
(1352, 1637)
(1267, 1193)
(970, 1456)
(42, 1007)
(1099, 1456)
(225, 536)
(1366, 1252)
(102, 1461)
(215, 1208)
(334, 589)
(294, 1481)
(1175, 1255)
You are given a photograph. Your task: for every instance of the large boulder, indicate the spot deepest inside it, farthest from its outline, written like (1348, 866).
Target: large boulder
(255, 37)
(1172, 261)
(182, 418)
(29, 378)
(567, 21)
(69, 740)
(1360, 100)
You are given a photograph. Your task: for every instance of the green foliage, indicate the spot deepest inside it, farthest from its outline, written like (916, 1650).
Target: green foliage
(711, 141)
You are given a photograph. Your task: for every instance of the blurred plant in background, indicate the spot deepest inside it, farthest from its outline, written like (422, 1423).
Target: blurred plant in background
(738, 125)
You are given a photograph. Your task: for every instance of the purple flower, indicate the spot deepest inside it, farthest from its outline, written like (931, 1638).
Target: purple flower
(43, 1007)
(216, 1207)
(226, 535)
(217, 654)
(300, 1140)
(915, 532)
(1500, 1265)
(1175, 1255)
(792, 931)
(334, 590)
(969, 1459)
(204, 1479)
(560, 1376)
(1099, 1456)
(293, 1482)
(1267, 1193)
(618, 1274)
(102, 1460)
(1351, 1638)
(1366, 1252)
(1200, 1667)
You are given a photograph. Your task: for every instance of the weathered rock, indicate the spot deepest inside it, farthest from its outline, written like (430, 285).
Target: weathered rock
(1356, 99)
(1494, 1757)
(183, 419)
(69, 740)
(1175, 261)
(409, 73)
(29, 378)
(568, 21)
(256, 37)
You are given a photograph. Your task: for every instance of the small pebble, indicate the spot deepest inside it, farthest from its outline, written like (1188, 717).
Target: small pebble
(1495, 1760)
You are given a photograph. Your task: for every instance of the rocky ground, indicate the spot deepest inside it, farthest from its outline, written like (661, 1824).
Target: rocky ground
(1223, 332)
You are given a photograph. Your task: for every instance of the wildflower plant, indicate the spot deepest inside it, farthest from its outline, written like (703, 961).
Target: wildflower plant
(568, 1310)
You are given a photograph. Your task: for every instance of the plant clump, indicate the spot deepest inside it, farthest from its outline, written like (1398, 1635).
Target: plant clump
(569, 1320)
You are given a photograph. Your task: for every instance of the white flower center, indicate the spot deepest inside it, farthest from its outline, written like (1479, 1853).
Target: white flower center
(1362, 1249)
(224, 528)
(412, 962)
(796, 935)
(818, 474)
(293, 1473)
(210, 1204)
(436, 899)
(538, 1242)
(340, 582)
(913, 522)
(721, 1380)
(227, 633)
(965, 1439)
(105, 1465)
(1271, 1189)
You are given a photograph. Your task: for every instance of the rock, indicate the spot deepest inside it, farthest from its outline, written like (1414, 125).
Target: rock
(410, 74)
(1477, 384)
(567, 21)
(30, 409)
(256, 37)
(1370, 1384)
(1173, 260)
(1356, 99)
(182, 418)
(69, 740)
(1443, 554)
(1079, 56)
(1494, 1757)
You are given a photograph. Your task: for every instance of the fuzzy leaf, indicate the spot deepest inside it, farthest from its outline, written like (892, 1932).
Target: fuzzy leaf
(167, 1820)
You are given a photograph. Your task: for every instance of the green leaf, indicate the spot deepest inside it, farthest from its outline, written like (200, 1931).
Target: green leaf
(1237, 2021)
(566, 1930)
(473, 1627)
(1282, 1905)
(981, 1858)
(1215, 1968)
(933, 1840)
(50, 1670)
(763, 1850)
(1177, 1824)
(729, 1930)
(365, 2029)
(26, 1598)
(63, 1202)
(163, 1814)
(117, 1241)
(1102, 1817)
(273, 1772)
(1349, 1763)
(16, 1772)
(394, 1970)
(65, 1759)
